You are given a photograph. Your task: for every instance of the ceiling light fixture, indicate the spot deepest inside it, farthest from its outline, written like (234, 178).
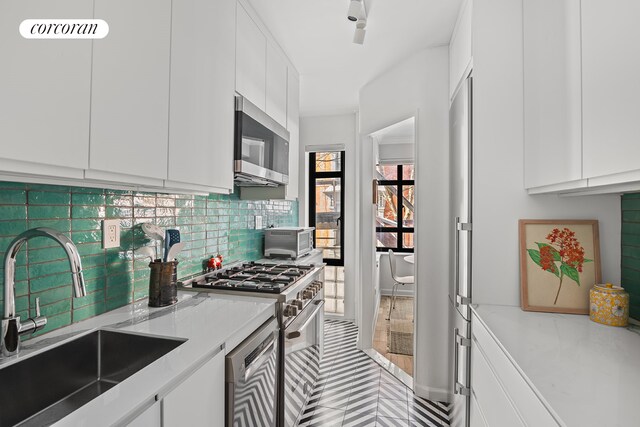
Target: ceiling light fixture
(356, 10)
(358, 36)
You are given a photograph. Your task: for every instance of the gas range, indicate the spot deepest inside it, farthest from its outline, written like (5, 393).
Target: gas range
(298, 292)
(253, 277)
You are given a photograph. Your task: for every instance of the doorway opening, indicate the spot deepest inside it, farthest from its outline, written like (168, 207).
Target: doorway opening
(326, 204)
(394, 194)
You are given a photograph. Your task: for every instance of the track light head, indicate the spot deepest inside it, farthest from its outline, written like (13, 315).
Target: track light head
(355, 10)
(358, 36)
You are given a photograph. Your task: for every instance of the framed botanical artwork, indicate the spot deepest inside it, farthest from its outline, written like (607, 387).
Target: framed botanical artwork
(559, 264)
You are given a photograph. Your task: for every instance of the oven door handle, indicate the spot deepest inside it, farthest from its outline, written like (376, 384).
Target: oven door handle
(259, 361)
(297, 333)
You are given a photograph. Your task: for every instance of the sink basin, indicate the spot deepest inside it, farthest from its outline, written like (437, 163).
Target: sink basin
(42, 389)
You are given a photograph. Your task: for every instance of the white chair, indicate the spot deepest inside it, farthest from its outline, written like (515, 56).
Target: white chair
(398, 280)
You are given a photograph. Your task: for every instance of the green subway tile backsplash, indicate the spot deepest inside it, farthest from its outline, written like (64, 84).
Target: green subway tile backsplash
(208, 225)
(631, 251)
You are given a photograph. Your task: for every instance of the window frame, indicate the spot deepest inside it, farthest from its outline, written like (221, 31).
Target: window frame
(399, 229)
(315, 174)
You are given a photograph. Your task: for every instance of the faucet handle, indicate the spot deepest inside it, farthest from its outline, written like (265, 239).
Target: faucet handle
(38, 307)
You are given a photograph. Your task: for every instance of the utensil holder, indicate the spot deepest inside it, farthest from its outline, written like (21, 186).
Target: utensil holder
(163, 290)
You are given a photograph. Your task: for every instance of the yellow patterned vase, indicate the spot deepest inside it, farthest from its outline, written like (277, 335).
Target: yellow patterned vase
(609, 305)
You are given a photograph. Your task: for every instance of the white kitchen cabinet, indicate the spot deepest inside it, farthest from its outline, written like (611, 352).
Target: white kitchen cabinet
(130, 90)
(45, 89)
(501, 394)
(198, 400)
(151, 416)
(610, 86)
(293, 126)
(460, 48)
(276, 84)
(552, 92)
(476, 417)
(201, 119)
(251, 59)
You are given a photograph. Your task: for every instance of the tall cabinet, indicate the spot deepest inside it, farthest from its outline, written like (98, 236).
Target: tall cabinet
(130, 90)
(201, 114)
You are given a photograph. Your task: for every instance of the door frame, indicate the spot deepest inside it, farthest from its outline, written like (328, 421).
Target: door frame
(313, 175)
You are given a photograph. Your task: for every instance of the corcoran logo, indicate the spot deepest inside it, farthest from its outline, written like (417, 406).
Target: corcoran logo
(64, 29)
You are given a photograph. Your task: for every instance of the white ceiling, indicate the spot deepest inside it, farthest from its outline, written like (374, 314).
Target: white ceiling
(398, 133)
(317, 38)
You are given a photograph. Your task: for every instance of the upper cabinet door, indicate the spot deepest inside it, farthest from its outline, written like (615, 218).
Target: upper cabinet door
(276, 81)
(552, 92)
(130, 88)
(202, 90)
(293, 126)
(44, 87)
(251, 57)
(611, 88)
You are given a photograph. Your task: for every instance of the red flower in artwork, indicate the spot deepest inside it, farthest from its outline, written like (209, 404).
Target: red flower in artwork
(563, 256)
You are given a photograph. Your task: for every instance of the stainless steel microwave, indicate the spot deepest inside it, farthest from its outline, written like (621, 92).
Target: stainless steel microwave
(261, 152)
(288, 242)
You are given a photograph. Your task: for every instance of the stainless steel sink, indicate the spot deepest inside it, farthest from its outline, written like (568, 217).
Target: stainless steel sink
(42, 389)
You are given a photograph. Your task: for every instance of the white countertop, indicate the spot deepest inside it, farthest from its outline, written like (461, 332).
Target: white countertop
(586, 373)
(207, 320)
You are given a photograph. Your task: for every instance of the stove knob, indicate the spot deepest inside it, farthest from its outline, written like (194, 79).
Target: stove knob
(298, 303)
(308, 294)
(320, 285)
(290, 310)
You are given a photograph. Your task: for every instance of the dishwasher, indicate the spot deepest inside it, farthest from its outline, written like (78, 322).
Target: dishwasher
(251, 375)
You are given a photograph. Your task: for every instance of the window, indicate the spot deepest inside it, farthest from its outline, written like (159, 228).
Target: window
(394, 218)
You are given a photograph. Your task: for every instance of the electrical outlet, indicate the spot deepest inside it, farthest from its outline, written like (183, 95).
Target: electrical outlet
(258, 220)
(110, 233)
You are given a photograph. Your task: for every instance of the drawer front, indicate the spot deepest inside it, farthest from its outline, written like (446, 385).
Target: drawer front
(491, 398)
(528, 405)
(476, 416)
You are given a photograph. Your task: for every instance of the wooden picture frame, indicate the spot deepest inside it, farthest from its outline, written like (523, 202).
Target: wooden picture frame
(559, 264)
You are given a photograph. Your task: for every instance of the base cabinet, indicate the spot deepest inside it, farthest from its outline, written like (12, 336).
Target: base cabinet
(152, 416)
(500, 396)
(199, 400)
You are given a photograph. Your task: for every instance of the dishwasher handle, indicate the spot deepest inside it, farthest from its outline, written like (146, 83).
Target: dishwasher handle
(256, 363)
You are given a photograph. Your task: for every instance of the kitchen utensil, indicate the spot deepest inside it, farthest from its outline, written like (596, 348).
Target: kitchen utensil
(147, 252)
(163, 289)
(174, 251)
(609, 305)
(153, 231)
(171, 237)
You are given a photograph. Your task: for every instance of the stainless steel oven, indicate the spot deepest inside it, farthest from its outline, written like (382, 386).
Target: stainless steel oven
(300, 316)
(303, 348)
(252, 379)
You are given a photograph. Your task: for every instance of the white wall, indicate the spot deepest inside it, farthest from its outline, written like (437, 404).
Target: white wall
(498, 181)
(336, 132)
(417, 86)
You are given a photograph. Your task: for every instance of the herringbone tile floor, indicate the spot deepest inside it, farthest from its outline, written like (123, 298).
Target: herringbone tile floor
(353, 390)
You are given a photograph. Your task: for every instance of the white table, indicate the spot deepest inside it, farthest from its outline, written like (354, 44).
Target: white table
(409, 259)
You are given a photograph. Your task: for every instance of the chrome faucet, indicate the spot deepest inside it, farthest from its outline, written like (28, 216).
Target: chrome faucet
(11, 326)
